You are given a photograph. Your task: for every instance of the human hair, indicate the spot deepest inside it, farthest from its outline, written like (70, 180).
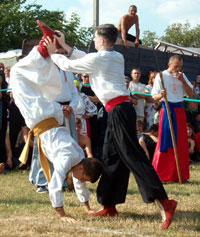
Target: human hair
(154, 127)
(158, 106)
(139, 122)
(152, 76)
(176, 56)
(132, 6)
(78, 121)
(136, 69)
(109, 32)
(189, 125)
(20, 57)
(2, 65)
(92, 168)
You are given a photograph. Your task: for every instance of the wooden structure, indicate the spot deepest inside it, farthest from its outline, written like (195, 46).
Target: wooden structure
(167, 47)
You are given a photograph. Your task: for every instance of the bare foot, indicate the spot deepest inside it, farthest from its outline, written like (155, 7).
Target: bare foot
(2, 167)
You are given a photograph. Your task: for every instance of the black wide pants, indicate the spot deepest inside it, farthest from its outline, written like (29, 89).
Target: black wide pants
(122, 154)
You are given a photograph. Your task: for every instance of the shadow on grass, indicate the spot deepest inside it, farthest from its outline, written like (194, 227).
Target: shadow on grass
(133, 192)
(186, 216)
(23, 201)
(188, 182)
(136, 216)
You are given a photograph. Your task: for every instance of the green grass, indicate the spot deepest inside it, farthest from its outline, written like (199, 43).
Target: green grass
(23, 212)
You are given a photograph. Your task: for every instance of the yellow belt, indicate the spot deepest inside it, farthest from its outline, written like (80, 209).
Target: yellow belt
(39, 128)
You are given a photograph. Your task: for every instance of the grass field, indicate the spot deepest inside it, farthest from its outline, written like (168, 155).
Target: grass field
(23, 212)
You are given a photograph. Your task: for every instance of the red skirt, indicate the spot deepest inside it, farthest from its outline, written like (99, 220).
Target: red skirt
(164, 163)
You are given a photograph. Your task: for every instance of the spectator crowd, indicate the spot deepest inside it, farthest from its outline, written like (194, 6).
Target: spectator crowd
(91, 119)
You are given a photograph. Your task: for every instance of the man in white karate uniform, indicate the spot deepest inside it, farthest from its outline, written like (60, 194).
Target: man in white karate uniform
(35, 82)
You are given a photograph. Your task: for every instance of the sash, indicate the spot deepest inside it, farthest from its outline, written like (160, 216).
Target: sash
(166, 139)
(39, 128)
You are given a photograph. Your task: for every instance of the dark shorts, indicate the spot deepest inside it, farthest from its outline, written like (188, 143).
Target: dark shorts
(129, 37)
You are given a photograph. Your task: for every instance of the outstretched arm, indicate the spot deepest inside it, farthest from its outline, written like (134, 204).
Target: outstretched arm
(83, 63)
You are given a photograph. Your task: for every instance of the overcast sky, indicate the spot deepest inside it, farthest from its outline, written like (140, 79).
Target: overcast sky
(154, 15)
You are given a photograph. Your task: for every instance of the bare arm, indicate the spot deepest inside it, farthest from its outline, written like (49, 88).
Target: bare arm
(144, 147)
(88, 147)
(150, 99)
(25, 131)
(87, 207)
(187, 88)
(8, 151)
(1, 80)
(140, 96)
(61, 213)
(124, 31)
(160, 96)
(94, 99)
(133, 100)
(61, 40)
(137, 29)
(191, 145)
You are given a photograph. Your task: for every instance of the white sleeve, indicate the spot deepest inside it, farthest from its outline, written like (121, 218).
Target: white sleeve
(55, 188)
(81, 190)
(156, 86)
(85, 64)
(76, 53)
(187, 81)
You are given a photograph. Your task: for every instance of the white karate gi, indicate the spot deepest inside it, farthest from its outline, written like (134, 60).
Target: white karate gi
(106, 78)
(35, 83)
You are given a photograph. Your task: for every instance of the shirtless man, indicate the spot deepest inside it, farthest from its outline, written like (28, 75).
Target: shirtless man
(125, 24)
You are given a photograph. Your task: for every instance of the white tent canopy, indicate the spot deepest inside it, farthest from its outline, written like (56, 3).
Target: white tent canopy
(10, 58)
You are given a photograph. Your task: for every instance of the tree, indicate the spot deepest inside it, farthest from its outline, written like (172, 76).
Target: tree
(182, 35)
(18, 22)
(76, 35)
(148, 38)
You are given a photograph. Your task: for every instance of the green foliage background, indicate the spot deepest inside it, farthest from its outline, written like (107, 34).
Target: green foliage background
(18, 22)
(179, 34)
